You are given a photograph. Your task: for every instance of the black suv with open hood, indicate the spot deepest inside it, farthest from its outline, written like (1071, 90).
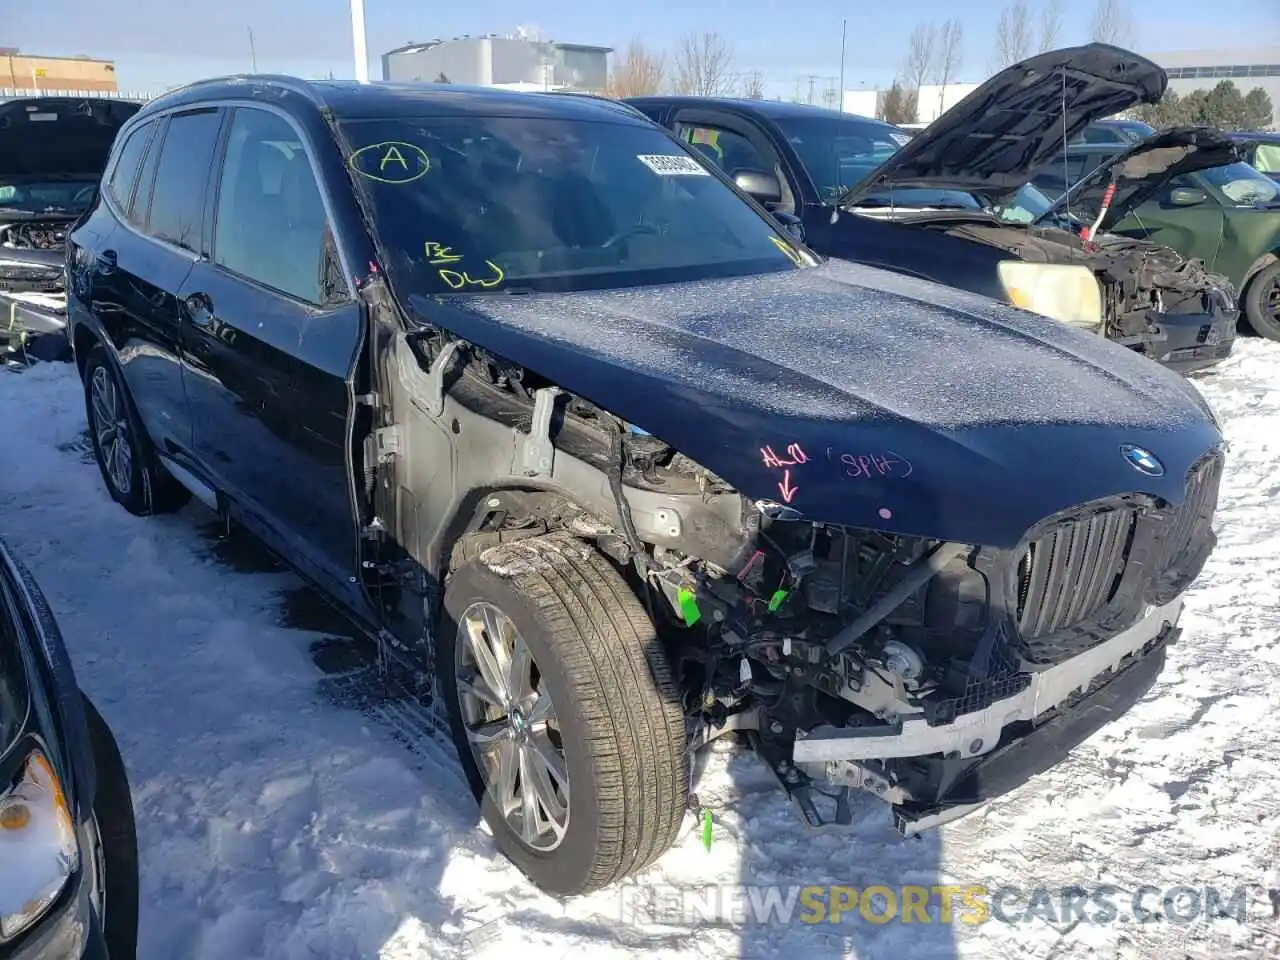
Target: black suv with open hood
(52, 151)
(571, 426)
(949, 203)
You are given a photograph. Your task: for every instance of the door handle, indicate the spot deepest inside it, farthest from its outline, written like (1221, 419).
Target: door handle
(106, 261)
(200, 309)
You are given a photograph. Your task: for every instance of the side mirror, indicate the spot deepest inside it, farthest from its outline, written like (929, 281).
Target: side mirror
(792, 224)
(760, 184)
(1187, 196)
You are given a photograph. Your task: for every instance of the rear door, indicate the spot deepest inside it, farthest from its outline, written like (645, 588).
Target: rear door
(142, 264)
(271, 333)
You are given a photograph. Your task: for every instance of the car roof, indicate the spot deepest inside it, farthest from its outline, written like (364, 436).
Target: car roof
(1255, 136)
(774, 109)
(345, 99)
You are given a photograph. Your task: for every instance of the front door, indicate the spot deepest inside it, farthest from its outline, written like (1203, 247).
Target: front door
(271, 335)
(1183, 215)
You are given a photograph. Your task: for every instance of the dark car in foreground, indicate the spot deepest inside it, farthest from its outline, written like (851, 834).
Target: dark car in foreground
(572, 427)
(944, 205)
(68, 850)
(1186, 189)
(52, 151)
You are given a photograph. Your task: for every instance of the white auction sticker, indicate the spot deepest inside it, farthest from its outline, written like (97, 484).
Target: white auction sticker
(673, 165)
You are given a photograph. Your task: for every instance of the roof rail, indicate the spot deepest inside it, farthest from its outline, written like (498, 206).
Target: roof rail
(294, 84)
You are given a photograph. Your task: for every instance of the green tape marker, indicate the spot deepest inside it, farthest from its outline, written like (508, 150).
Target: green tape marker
(706, 829)
(688, 606)
(776, 600)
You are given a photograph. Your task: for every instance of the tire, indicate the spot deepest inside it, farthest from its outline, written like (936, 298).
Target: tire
(1262, 302)
(142, 487)
(118, 840)
(616, 705)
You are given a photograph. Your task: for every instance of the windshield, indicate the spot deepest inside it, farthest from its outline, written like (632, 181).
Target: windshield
(481, 204)
(1025, 206)
(841, 151)
(47, 195)
(1242, 184)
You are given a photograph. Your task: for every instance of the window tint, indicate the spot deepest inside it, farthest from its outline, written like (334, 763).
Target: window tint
(271, 222)
(729, 151)
(842, 151)
(125, 173)
(1102, 135)
(185, 159)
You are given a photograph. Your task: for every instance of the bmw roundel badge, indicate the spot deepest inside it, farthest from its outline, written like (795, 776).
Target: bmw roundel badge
(1142, 460)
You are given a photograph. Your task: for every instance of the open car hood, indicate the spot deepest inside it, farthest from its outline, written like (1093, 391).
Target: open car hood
(1142, 171)
(59, 135)
(992, 141)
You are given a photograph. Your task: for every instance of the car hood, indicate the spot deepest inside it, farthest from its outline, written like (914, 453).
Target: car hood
(996, 137)
(59, 135)
(995, 417)
(1141, 171)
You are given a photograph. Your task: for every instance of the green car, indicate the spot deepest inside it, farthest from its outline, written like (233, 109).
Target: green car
(1188, 189)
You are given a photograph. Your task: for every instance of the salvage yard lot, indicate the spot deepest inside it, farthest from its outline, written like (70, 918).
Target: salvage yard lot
(287, 809)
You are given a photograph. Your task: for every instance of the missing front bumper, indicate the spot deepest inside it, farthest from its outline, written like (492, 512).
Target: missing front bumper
(982, 732)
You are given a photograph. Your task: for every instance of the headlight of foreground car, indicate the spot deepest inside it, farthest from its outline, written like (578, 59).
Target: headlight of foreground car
(39, 852)
(1068, 293)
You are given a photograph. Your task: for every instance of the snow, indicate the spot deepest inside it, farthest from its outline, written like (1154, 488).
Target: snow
(288, 809)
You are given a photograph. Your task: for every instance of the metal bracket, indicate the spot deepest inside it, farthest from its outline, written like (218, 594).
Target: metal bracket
(435, 376)
(386, 443)
(536, 451)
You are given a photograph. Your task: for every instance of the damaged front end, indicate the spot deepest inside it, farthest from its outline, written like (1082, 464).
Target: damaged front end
(934, 675)
(1153, 300)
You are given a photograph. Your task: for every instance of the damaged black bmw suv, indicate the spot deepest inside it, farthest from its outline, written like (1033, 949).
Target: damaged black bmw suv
(574, 429)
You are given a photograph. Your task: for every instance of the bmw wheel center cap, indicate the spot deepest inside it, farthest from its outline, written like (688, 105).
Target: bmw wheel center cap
(1142, 460)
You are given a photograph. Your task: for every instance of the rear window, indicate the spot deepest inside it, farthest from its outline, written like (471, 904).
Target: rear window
(476, 204)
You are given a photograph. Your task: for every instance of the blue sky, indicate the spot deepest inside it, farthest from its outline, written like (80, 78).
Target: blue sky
(784, 40)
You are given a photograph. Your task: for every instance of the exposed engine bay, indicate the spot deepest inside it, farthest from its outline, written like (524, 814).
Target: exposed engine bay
(34, 236)
(851, 658)
(31, 254)
(1140, 280)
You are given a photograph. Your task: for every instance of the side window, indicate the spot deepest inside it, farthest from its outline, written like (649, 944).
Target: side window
(1103, 135)
(177, 200)
(727, 150)
(271, 224)
(125, 173)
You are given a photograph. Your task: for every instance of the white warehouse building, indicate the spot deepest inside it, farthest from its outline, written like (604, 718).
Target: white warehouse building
(515, 62)
(1246, 67)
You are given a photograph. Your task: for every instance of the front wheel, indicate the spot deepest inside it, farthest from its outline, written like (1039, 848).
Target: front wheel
(565, 713)
(114, 875)
(1262, 302)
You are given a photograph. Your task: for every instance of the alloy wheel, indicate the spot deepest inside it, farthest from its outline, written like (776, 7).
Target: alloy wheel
(1271, 299)
(512, 727)
(111, 429)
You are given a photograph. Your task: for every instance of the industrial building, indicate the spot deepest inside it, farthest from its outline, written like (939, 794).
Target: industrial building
(29, 73)
(515, 62)
(1246, 67)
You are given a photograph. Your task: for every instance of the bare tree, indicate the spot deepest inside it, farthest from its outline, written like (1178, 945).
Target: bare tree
(1111, 23)
(638, 72)
(702, 65)
(753, 85)
(915, 69)
(1013, 33)
(948, 56)
(1050, 24)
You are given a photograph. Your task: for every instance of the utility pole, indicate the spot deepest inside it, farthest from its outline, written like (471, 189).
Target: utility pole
(358, 43)
(812, 79)
(253, 53)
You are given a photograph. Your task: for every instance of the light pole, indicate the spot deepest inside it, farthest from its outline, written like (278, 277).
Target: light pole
(358, 41)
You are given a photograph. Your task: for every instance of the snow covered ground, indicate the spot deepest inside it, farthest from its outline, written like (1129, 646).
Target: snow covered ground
(288, 809)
